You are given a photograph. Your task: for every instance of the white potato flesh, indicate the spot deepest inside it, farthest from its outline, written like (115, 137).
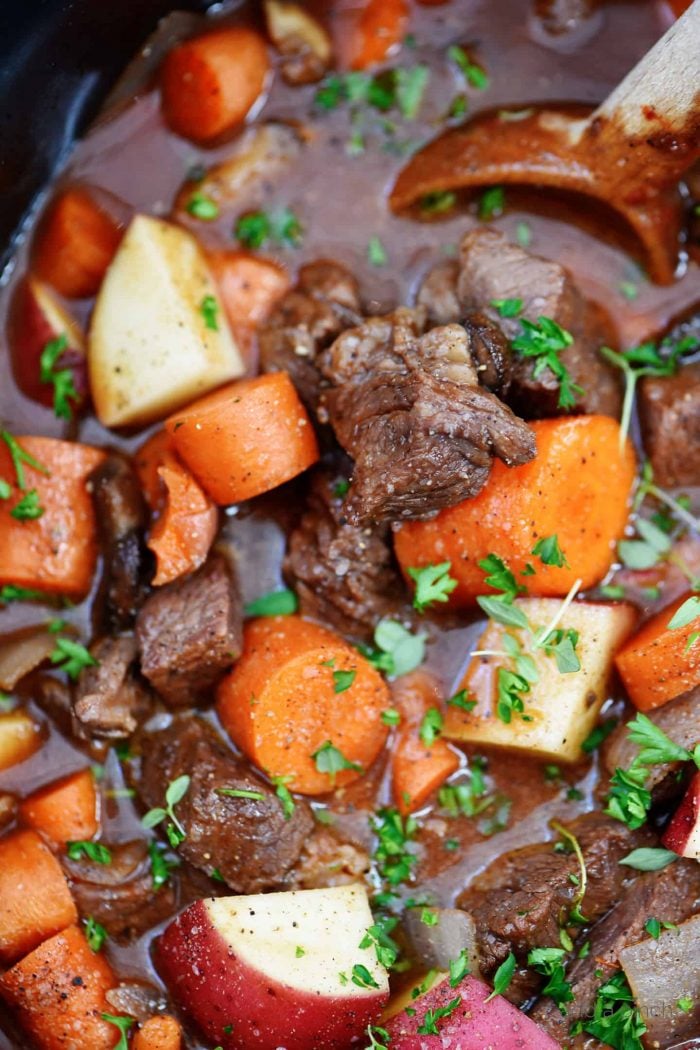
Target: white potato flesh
(19, 738)
(562, 708)
(303, 939)
(150, 350)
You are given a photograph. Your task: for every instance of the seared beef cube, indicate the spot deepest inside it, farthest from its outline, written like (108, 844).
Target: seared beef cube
(110, 701)
(438, 293)
(247, 840)
(120, 895)
(492, 269)
(344, 575)
(190, 631)
(324, 303)
(679, 720)
(669, 408)
(526, 896)
(405, 404)
(671, 895)
(122, 519)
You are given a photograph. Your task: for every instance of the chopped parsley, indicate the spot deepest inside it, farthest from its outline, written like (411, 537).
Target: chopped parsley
(459, 968)
(362, 977)
(375, 1034)
(429, 1024)
(71, 657)
(328, 759)
(598, 735)
(255, 796)
(124, 1024)
(500, 577)
(492, 203)
(433, 584)
(95, 934)
(342, 680)
(438, 202)
(654, 927)
(202, 207)
(161, 865)
(60, 378)
(28, 508)
(544, 340)
(474, 75)
(395, 861)
(644, 360)
(396, 651)
(175, 792)
(572, 843)
(256, 229)
(209, 309)
(376, 252)
(431, 726)
(616, 1020)
(284, 795)
(549, 962)
(461, 699)
(402, 89)
(643, 553)
(649, 858)
(523, 234)
(549, 552)
(276, 603)
(391, 717)
(507, 307)
(94, 851)
(503, 976)
(379, 937)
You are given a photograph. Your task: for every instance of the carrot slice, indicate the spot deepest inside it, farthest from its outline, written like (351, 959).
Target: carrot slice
(56, 552)
(296, 688)
(64, 811)
(76, 243)
(249, 286)
(158, 1033)
(35, 901)
(209, 84)
(658, 664)
(58, 993)
(577, 488)
(187, 520)
(380, 28)
(245, 439)
(417, 769)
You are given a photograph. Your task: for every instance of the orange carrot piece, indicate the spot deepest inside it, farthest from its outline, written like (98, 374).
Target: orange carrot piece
(296, 687)
(35, 901)
(209, 84)
(380, 28)
(187, 520)
(658, 664)
(158, 1033)
(58, 994)
(245, 439)
(416, 769)
(248, 286)
(65, 811)
(76, 243)
(578, 488)
(56, 552)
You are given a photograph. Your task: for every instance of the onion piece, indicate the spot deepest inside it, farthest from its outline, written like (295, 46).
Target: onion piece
(22, 653)
(438, 945)
(136, 1000)
(662, 972)
(302, 41)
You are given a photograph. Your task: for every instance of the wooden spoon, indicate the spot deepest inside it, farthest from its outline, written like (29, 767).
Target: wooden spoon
(629, 153)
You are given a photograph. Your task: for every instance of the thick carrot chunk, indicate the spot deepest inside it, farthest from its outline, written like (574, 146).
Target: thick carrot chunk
(65, 811)
(660, 663)
(578, 489)
(76, 244)
(245, 439)
(159, 1033)
(249, 286)
(208, 84)
(58, 994)
(303, 704)
(35, 901)
(55, 552)
(380, 29)
(417, 768)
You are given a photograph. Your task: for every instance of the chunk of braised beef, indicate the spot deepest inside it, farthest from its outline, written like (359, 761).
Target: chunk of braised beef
(325, 301)
(122, 519)
(120, 895)
(245, 840)
(524, 898)
(679, 720)
(110, 700)
(406, 406)
(669, 409)
(189, 632)
(491, 269)
(670, 895)
(345, 575)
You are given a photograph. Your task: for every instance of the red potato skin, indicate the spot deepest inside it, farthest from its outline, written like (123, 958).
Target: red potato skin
(684, 823)
(217, 990)
(474, 1025)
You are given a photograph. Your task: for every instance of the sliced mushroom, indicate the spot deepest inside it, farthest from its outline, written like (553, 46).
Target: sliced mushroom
(301, 40)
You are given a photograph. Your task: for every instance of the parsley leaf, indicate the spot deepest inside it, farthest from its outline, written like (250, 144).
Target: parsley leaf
(655, 746)
(507, 307)
(124, 1024)
(362, 977)
(376, 252)
(429, 1024)
(394, 860)
(19, 457)
(396, 651)
(342, 680)
(544, 341)
(685, 614)
(202, 207)
(474, 75)
(438, 202)
(461, 700)
(648, 858)
(459, 968)
(28, 508)
(276, 603)
(433, 584)
(94, 851)
(255, 796)
(209, 309)
(500, 577)
(379, 937)
(161, 865)
(71, 657)
(549, 962)
(549, 552)
(492, 203)
(616, 1020)
(374, 1034)
(60, 378)
(95, 934)
(256, 229)
(503, 977)
(431, 726)
(330, 760)
(284, 795)
(175, 792)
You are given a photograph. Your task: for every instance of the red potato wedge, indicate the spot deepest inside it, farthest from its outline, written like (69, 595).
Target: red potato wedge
(37, 317)
(683, 833)
(275, 970)
(474, 1023)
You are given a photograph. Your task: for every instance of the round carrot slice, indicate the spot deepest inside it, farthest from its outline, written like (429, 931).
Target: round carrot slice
(303, 704)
